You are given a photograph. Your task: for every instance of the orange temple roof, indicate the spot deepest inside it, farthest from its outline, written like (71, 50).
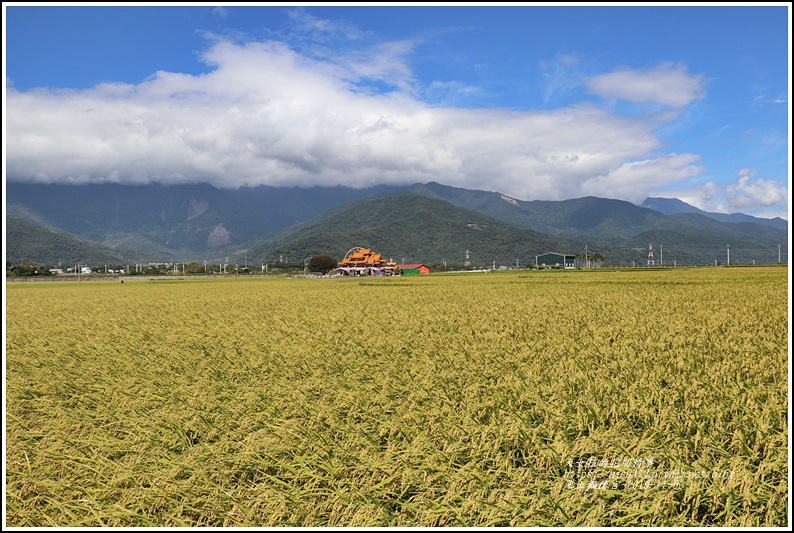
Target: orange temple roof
(365, 257)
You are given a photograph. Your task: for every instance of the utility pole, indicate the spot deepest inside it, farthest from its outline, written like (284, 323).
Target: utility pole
(778, 254)
(661, 255)
(729, 253)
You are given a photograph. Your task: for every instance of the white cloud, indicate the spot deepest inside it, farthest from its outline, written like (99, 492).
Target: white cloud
(385, 63)
(759, 192)
(622, 182)
(450, 92)
(322, 29)
(665, 84)
(747, 194)
(560, 75)
(763, 99)
(266, 114)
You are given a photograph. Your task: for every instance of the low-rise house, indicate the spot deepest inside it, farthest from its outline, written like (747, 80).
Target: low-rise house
(413, 268)
(555, 260)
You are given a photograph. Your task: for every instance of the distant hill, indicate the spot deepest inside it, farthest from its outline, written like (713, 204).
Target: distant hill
(161, 220)
(694, 237)
(672, 206)
(201, 222)
(603, 219)
(180, 222)
(595, 219)
(413, 228)
(27, 242)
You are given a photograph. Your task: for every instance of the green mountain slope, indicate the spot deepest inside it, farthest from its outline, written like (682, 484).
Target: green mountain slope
(164, 219)
(412, 228)
(696, 236)
(598, 219)
(200, 222)
(672, 206)
(703, 240)
(27, 242)
(182, 222)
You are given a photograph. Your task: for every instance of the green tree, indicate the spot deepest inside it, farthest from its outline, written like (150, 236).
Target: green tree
(194, 268)
(28, 269)
(322, 263)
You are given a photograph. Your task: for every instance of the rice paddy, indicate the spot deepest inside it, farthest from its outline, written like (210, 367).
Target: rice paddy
(603, 398)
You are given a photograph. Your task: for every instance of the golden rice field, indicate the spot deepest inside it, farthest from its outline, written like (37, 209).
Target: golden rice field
(604, 398)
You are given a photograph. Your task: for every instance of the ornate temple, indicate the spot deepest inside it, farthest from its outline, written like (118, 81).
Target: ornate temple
(364, 262)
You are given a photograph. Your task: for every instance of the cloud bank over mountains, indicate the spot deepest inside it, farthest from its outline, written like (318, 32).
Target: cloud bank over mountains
(747, 194)
(268, 114)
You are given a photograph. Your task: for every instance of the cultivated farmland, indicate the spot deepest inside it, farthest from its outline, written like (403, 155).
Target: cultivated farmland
(655, 398)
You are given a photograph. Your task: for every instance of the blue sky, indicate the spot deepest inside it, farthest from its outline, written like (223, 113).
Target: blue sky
(534, 102)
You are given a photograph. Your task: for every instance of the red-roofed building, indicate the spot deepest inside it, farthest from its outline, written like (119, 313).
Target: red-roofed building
(413, 268)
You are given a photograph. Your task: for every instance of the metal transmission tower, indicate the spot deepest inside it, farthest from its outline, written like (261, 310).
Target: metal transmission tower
(467, 262)
(650, 255)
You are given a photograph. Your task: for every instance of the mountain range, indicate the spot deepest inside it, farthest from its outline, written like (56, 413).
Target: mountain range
(33, 243)
(412, 228)
(672, 206)
(427, 223)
